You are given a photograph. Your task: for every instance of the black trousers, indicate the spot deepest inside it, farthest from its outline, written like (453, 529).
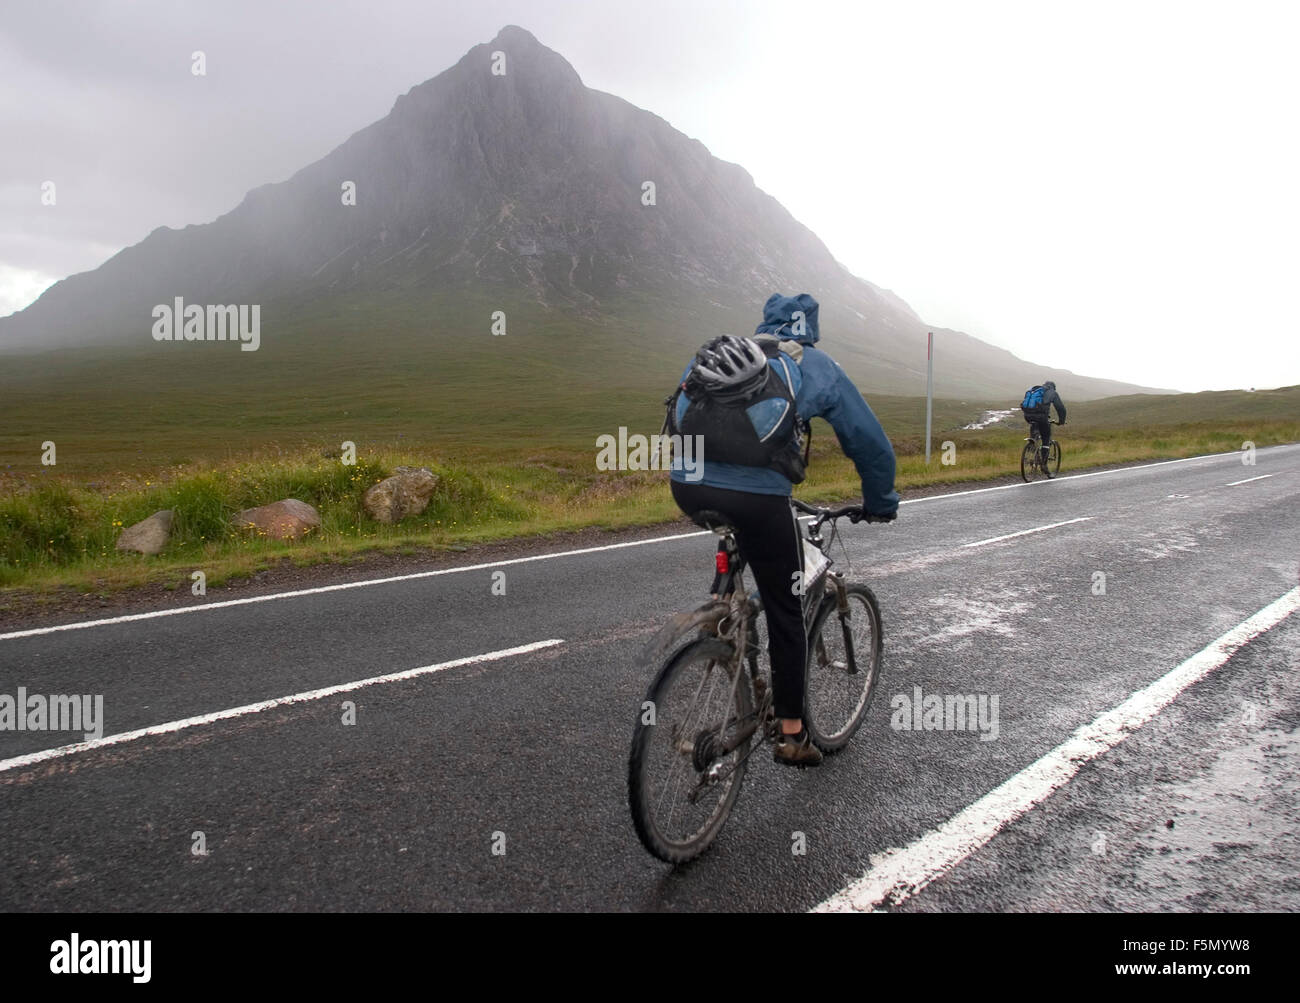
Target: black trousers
(1043, 426)
(768, 537)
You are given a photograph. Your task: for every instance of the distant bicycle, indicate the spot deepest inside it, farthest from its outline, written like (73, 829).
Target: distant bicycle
(710, 705)
(1031, 457)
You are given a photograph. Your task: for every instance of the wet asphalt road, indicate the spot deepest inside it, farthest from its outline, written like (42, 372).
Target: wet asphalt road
(402, 809)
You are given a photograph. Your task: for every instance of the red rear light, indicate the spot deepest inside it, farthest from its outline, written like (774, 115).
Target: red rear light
(720, 559)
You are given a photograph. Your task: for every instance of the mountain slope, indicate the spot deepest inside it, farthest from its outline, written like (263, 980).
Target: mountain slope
(521, 192)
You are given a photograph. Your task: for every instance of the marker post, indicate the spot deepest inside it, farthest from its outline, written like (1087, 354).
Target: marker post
(929, 391)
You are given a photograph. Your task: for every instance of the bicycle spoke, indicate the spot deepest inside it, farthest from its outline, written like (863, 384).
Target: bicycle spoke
(842, 678)
(676, 806)
(675, 761)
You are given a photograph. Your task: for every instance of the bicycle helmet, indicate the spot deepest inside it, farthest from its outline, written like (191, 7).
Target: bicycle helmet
(731, 364)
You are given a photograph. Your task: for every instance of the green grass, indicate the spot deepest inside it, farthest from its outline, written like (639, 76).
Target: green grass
(55, 531)
(509, 424)
(397, 372)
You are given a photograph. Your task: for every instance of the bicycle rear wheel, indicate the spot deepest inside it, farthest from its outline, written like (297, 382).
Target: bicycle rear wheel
(681, 786)
(844, 656)
(1029, 461)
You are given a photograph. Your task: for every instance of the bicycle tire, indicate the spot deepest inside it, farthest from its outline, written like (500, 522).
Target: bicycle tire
(823, 691)
(644, 800)
(1028, 471)
(1054, 459)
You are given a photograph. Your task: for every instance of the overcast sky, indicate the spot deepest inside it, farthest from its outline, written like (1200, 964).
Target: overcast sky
(1107, 187)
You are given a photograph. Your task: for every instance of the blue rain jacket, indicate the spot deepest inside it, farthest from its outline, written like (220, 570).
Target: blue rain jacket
(821, 390)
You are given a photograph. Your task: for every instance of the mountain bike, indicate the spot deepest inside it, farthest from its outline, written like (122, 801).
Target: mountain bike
(710, 704)
(1031, 457)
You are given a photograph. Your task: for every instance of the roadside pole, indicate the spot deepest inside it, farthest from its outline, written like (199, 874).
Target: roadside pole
(929, 391)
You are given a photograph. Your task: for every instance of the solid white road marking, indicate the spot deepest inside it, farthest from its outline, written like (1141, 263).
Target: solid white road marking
(225, 603)
(1026, 532)
(1247, 480)
(899, 873)
(201, 607)
(256, 708)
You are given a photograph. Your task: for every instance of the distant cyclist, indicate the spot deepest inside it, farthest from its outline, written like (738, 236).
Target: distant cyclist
(1036, 407)
(755, 498)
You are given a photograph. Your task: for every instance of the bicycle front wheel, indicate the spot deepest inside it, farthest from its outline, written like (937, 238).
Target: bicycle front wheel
(1054, 459)
(1028, 461)
(844, 655)
(681, 780)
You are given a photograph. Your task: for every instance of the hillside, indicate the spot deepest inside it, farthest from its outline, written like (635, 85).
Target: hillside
(478, 192)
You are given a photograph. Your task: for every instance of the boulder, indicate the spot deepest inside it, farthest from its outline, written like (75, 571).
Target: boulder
(148, 536)
(282, 520)
(407, 492)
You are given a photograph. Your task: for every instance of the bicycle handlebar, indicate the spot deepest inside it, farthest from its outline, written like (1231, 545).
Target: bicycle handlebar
(826, 513)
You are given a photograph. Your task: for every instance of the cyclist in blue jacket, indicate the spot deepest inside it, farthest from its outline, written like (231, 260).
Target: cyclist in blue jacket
(756, 499)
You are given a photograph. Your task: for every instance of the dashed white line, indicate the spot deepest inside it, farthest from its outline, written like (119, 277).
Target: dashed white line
(1247, 480)
(1077, 477)
(899, 873)
(1026, 532)
(256, 708)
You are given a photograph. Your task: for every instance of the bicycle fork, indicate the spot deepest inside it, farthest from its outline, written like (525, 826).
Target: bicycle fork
(844, 614)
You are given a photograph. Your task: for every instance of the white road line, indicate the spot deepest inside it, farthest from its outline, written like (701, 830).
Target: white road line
(1247, 480)
(256, 708)
(225, 603)
(201, 607)
(1076, 477)
(899, 873)
(1026, 532)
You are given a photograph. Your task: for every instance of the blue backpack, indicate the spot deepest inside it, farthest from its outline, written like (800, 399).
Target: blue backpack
(1034, 399)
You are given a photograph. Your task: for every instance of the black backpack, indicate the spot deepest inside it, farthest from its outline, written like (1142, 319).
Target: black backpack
(758, 429)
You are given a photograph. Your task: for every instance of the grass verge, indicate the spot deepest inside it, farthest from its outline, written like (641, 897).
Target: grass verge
(58, 532)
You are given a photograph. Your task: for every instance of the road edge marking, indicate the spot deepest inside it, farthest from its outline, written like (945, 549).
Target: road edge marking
(295, 593)
(341, 586)
(898, 873)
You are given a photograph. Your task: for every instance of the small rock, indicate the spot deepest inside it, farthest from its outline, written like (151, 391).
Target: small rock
(407, 492)
(283, 520)
(148, 536)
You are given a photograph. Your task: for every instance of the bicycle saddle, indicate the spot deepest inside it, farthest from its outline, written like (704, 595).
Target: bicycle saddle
(707, 518)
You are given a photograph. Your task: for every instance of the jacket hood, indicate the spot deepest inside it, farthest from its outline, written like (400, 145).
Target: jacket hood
(779, 319)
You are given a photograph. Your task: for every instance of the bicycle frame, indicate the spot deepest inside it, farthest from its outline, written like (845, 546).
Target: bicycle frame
(1037, 440)
(733, 626)
(706, 748)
